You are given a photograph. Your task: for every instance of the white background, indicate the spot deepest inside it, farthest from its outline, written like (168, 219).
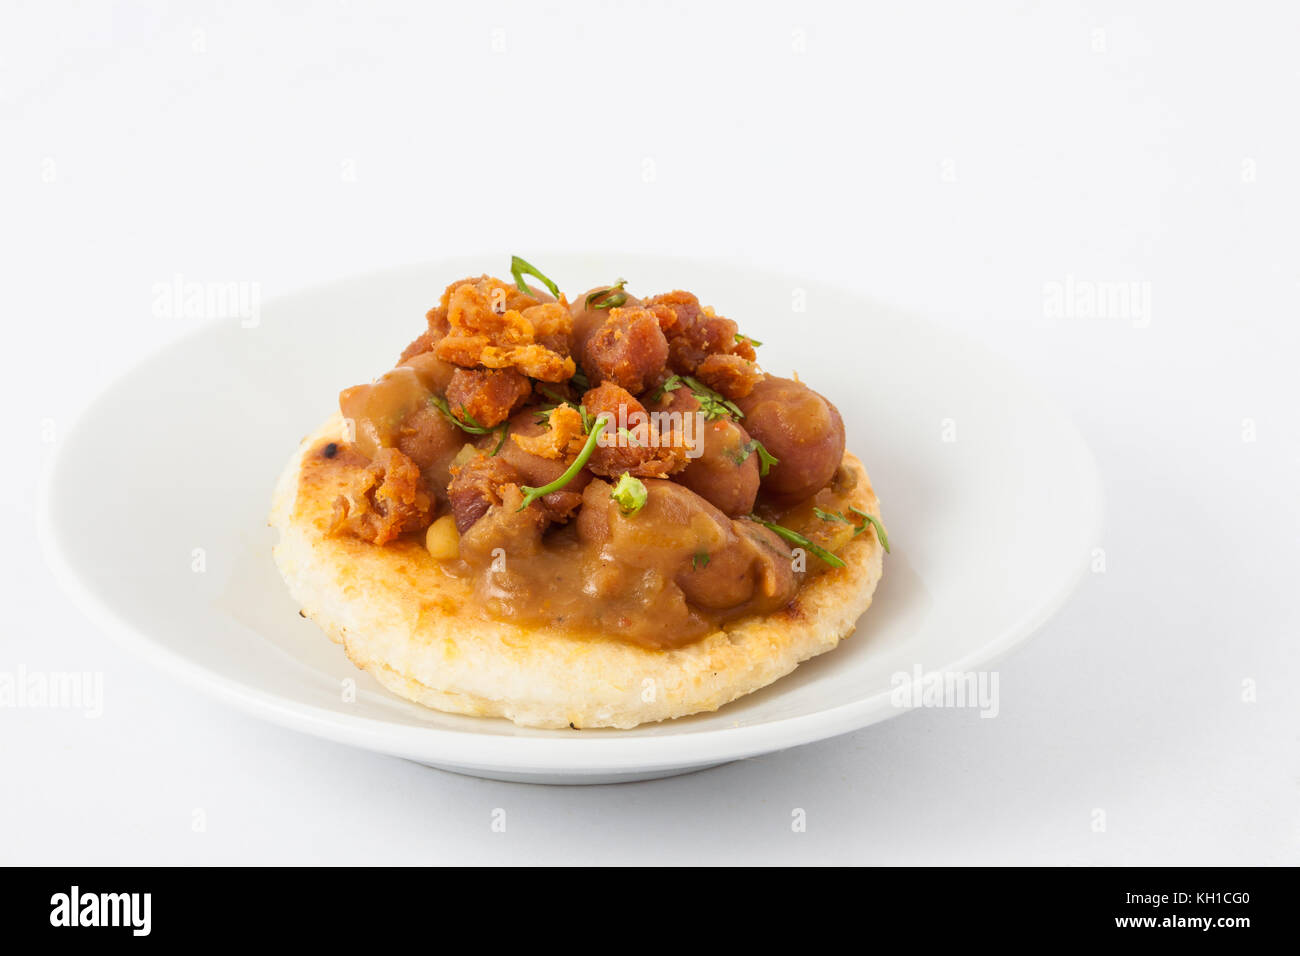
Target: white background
(954, 159)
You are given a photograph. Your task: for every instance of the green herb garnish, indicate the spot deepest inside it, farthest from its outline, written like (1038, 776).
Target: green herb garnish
(468, 423)
(794, 537)
(630, 493)
(869, 521)
(711, 403)
(765, 458)
(505, 430)
(579, 379)
(701, 560)
(671, 384)
(518, 268)
(610, 298)
(551, 393)
(746, 338)
(543, 413)
(532, 494)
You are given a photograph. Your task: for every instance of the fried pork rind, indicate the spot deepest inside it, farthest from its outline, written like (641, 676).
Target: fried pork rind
(477, 486)
(386, 499)
(732, 376)
(493, 325)
(563, 438)
(638, 447)
(552, 326)
(695, 332)
(487, 396)
(629, 349)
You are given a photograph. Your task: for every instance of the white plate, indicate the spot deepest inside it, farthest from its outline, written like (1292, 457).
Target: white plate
(172, 468)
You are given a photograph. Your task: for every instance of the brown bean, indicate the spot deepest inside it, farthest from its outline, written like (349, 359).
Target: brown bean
(726, 470)
(799, 428)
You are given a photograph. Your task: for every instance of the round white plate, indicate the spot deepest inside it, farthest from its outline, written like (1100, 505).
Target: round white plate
(154, 515)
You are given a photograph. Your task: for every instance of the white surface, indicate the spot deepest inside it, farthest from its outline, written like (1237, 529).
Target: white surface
(983, 552)
(949, 160)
